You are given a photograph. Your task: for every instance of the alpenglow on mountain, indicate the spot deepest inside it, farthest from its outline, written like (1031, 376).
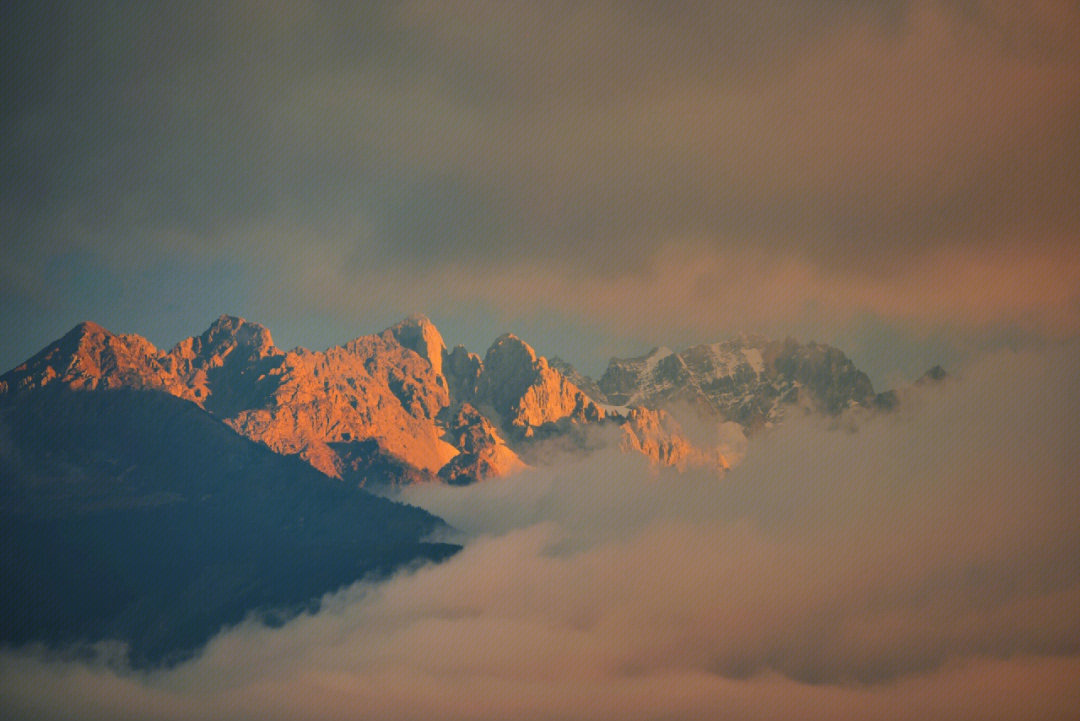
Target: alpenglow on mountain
(399, 406)
(153, 497)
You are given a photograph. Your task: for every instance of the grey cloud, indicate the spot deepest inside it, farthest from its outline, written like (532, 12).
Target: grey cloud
(582, 133)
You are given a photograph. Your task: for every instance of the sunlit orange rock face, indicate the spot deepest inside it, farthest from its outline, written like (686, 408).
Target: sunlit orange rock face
(398, 407)
(90, 357)
(526, 392)
(370, 388)
(379, 406)
(483, 453)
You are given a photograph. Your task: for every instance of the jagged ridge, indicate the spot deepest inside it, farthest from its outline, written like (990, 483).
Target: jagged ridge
(748, 380)
(398, 407)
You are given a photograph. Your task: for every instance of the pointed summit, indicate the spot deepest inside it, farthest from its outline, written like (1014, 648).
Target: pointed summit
(419, 334)
(227, 338)
(937, 374)
(87, 357)
(87, 327)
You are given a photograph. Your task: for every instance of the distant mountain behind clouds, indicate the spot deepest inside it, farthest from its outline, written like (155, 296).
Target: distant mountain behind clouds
(750, 380)
(399, 407)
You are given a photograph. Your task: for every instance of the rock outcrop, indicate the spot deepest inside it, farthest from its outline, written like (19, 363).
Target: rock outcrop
(657, 435)
(223, 370)
(371, 388)
(420, 335)
(387, 388)
(484, 454)
(527, 393)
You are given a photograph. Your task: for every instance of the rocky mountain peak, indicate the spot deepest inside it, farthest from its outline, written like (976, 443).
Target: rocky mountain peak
(87, 340)
(747, 379)
(226, 336)
(509, 368)
(86, 328)
(526, 392)
(398, 405)
(933, 375)
(86, 357)
(218, 368)
(419, 334)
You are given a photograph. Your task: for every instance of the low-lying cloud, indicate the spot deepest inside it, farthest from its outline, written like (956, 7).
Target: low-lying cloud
(920, 564)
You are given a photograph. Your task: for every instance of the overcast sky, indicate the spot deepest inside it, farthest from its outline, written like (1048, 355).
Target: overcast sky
(901, 179)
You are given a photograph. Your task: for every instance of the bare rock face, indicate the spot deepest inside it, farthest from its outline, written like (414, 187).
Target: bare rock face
(311, 404)
(371, 388)
(222, 368)
(397, 407)
(484, 454)
(526, 392)
(462, 372)
(419, 334)
(228, 341)
(90, 357)
(658, 436)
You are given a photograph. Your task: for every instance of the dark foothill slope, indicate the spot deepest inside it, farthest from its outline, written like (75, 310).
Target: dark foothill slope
(136, 515)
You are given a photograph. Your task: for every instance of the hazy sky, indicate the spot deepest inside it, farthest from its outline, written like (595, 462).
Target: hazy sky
(898, 178)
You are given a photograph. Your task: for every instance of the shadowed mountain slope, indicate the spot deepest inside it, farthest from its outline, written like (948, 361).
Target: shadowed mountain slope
(135, 515)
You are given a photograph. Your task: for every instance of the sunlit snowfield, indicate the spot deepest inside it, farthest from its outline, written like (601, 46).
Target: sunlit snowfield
(920, 564)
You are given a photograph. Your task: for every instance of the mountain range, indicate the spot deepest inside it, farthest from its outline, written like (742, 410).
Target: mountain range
(154, 496)
(400, 407)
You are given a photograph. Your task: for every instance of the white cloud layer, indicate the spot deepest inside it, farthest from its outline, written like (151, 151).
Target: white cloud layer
(923, 564)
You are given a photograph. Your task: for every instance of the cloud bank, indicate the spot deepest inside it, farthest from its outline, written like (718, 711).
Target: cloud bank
(673, 174)
(918, 565)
